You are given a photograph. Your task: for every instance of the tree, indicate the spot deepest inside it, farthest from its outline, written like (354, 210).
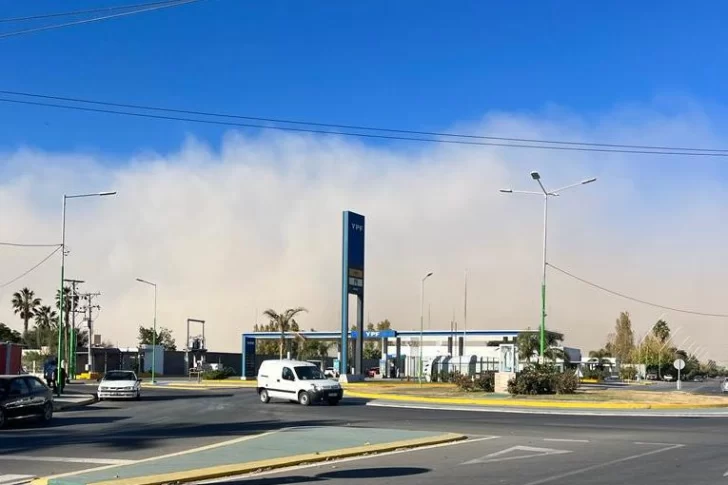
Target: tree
(284, 322)
(661, 330)
(529, 345)
(46, 324)
(622, 344)
(265, 347)
(164, 337)
(372, 351)
(24, 305)
(7, 334)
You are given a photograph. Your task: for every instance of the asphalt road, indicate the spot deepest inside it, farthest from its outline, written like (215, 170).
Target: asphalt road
(523, 448)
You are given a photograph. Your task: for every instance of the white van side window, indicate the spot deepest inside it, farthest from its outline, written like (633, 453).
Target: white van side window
(287, 374)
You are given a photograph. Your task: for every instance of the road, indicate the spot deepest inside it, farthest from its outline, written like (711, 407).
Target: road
(504, 448)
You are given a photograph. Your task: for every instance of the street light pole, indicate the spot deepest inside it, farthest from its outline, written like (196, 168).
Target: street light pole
(61, 299)
(422, 320)
(546, 194)
(154, 326)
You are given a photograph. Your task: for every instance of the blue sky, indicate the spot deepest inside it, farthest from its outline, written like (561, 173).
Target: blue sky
(410, 64)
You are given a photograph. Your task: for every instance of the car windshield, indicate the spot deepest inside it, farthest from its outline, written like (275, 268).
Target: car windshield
(120, 376)
(309, 373)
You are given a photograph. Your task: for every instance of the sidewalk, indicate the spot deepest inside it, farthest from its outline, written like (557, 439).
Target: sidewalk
(247, 454)
(72, 400)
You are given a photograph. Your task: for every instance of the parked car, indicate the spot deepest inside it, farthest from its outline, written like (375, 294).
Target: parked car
(23, 396)
(331, 373)
(724, 385)
(296, 381)
(373, 372)
(119, 384)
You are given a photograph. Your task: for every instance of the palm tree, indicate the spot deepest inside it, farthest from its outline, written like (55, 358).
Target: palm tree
(529, 344)
(69, 303)
(283, 322)
(661, 330)
(46, 320)
(24, 304)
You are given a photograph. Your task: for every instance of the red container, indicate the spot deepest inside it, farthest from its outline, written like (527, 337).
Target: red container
(10, 358)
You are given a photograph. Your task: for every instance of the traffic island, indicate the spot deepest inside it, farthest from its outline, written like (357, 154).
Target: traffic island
(277, 449)
(68, 402)
(584, 399)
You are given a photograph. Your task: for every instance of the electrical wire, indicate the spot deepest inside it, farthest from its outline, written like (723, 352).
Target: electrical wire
(637, 300)
(21, 245)
(15, 33)
(359, 134)
(70, 13)
(31, 269)
(356, 127)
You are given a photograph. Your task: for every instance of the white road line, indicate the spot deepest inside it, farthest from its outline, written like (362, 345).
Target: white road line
(344, 460)
(67, 459)
(565, 440)
(499, 455)
(603, 465)
(15, 479)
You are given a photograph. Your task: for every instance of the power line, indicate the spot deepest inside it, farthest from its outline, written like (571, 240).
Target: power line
(21, 245)
(94, 19)
(637, 300)
(70, 13)
(359, 134)
(31, 269)
(358, 127)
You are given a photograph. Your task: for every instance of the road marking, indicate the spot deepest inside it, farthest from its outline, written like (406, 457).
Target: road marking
(498, 455)
(67, 459)
(288, 470)
(555, 412)
(15, 479)
(565, 440)
(603, 465)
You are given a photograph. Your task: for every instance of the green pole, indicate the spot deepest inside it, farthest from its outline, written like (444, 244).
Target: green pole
(61, 302)
(543, 320)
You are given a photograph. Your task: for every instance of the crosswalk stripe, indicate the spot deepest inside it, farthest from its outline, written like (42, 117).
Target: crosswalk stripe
(15, 479)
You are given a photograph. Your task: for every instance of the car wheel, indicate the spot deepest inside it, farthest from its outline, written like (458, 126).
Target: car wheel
(2, 418)
(304, 398)
(264, 397)
(138, 396)
(333, 402)
(47, 414)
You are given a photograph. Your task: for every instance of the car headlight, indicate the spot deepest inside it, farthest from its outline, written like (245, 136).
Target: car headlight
(316, 387)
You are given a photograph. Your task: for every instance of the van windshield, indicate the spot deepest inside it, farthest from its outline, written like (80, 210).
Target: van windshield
(309, 373)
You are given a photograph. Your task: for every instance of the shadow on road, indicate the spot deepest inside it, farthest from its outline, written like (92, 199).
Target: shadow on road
(359, 473)
(136, 436)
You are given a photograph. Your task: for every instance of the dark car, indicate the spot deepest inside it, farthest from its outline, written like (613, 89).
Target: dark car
(23, 397)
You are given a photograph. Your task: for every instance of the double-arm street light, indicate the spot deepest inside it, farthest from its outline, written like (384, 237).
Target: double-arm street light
(61, 298)
(422, 318)
(545, 194)
(154, 326)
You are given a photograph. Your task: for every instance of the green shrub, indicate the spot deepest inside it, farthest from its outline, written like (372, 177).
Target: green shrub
(216, 375)
(485, 382)
(627, 373)
(543, 379)
(464, 382)
(598, 374)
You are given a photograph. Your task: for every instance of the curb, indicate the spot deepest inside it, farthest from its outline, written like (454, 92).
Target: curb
(524, 403)
(60, 407)
(222, 471)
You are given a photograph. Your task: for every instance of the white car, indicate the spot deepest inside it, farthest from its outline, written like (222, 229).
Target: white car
(331, 373)
(724, 385)
(296, 381)
(119, 384)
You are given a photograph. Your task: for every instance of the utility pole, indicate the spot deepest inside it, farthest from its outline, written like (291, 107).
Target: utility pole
(71, 340)
(88, 311)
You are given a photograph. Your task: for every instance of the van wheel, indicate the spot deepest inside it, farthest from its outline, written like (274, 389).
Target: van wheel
(264, 397)
(304, 398)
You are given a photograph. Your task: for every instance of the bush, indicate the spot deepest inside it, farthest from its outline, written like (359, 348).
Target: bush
(216, 375)
(598, 374)
(627, 373)
(543, 379)
(464, 382)
(485, 382)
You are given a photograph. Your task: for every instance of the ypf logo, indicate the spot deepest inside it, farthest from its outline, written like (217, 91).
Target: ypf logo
(357, 227)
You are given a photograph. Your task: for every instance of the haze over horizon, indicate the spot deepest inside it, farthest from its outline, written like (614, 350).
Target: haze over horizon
(231, 228)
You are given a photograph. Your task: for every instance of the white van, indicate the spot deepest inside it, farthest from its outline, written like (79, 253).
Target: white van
(294, 380)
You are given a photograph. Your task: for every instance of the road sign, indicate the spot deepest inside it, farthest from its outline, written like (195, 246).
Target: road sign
(679, 364)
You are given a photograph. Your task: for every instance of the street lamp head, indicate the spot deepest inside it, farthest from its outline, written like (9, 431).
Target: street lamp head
(506, 191)
(588, 181)
(103, 194)
(427, 275)
(535, 175)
